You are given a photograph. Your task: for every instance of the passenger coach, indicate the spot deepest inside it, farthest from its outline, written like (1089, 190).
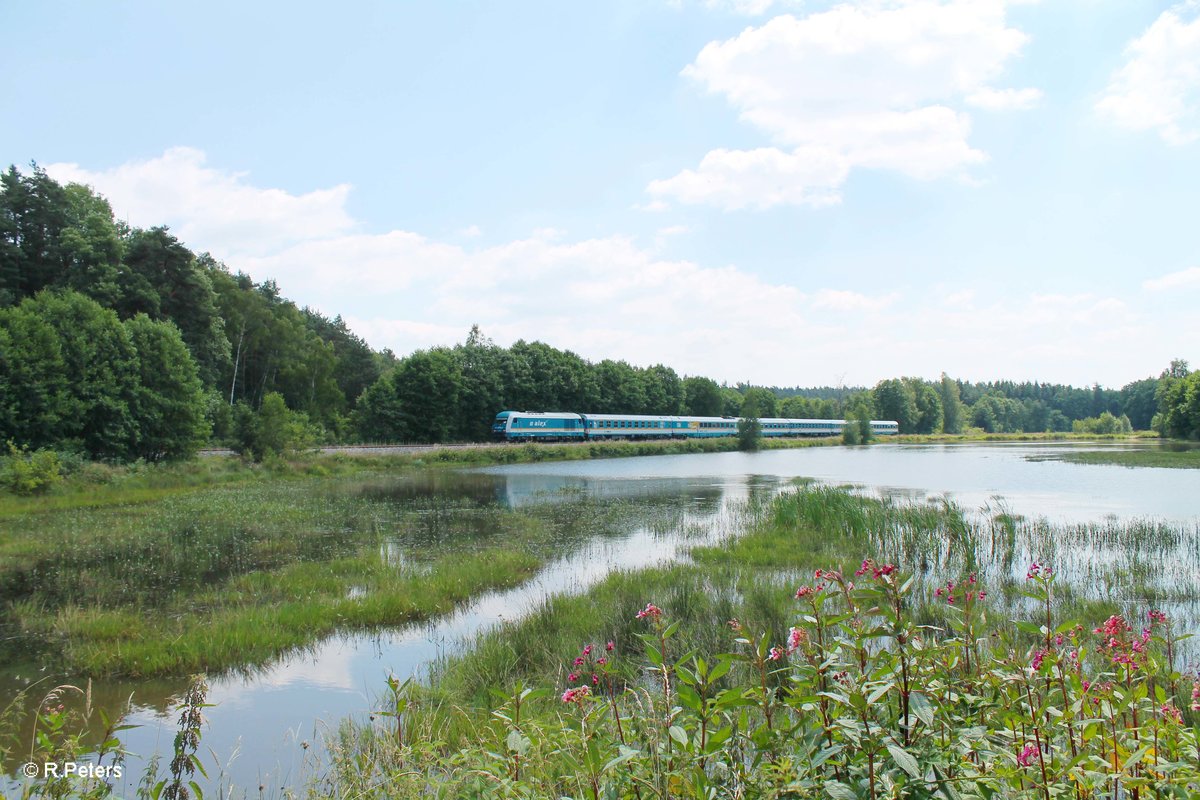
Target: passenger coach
(529, 426)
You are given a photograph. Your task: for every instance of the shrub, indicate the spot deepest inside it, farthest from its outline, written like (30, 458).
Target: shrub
(27, 473)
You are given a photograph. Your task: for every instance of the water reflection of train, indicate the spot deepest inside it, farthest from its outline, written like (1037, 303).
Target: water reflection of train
(529, 426)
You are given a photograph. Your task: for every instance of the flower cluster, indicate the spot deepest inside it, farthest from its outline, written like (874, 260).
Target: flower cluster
(584, 664)
(575, 695)
(797, 637)
(878, 571)
(1028, 756)
(651, 611)
(1123, 648)
(947, 592)
(1038, 570)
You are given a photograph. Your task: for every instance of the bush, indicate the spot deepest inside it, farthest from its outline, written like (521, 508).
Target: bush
(27, 473)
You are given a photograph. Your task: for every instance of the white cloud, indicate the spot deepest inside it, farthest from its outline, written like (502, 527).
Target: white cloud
(760, 178)
(1158, 88)
(1005, 99)
(866, 86)
(220, 208)
(1184, 279)
(611, 297)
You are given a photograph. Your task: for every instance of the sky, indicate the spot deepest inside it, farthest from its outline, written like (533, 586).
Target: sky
(766, 191)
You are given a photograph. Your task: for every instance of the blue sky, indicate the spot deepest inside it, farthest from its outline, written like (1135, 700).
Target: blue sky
(781, 192)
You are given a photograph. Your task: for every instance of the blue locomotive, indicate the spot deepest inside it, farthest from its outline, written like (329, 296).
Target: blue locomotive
(531, 426)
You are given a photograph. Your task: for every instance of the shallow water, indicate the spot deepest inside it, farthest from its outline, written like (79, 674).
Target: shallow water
(266, 722)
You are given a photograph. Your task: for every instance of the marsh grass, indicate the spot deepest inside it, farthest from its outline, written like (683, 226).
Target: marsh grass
(993, 718)
(1104, 568)
(1167, 457)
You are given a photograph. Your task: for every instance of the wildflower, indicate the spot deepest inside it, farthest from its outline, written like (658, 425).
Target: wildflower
(1113, 626)
(1033, 571)
(939, 591)
(579, 661)
(1058, 639)
(1196, 697)
(1027, 756)
(595, 680)
(651, 611)
(950, 599)
(602, 660)
(1157, 617)
(587, 651)
(1038, 657)
(1087, 685)
(1171, 711)
(609, 647)
(575, 695)
(775, 654)
(574, 676)
(971, 578)
(981, 595)
(796, 638)
(802, 592)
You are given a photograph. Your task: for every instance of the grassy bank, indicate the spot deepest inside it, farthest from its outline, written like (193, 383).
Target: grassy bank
(229, 575)
(882, 686)
(1160, 457)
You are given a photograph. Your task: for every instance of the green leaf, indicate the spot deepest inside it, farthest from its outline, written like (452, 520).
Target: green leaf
(919, 705)
(518, 743)
(839, 791)
(904, 760)
(678, 734)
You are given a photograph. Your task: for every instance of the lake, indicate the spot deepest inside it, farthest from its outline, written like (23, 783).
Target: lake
(267, 721)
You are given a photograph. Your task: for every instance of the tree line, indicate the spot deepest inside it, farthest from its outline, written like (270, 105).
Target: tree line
(120, 343)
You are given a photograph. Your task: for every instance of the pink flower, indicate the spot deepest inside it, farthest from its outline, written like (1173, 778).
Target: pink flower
(1171, 711)
(579, 661)
(1027, 756)
(1157, 617)
(574, 676)
(575, 695)
(602, 660)
(595, 679)
(587, 651)
(609, 647)
(796, 638)
(650, 610)
(1038, 657)
(775, 654)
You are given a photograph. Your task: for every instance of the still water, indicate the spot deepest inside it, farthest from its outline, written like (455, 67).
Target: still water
(266, 724)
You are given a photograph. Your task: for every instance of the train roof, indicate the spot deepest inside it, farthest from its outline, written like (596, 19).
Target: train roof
(673, 417)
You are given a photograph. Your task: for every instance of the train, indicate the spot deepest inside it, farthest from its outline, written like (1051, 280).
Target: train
(566, 426)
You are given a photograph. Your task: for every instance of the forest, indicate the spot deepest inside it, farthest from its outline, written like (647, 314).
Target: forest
(119, 343)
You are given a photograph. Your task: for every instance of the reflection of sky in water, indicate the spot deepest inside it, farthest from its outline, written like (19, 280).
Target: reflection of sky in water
(263, 717)
(969, 474)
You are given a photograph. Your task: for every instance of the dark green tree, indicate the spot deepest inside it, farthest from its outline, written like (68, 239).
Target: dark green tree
(168, 403)
(749, 428)
(952, 407)
(894, 399)
(702, 397)
(761, 401)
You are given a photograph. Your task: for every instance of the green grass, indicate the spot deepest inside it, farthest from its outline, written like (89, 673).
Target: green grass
(1159, 457)
(1106, 567)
